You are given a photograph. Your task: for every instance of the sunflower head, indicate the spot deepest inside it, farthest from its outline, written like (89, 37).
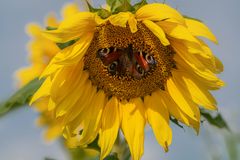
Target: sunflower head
(124, 67)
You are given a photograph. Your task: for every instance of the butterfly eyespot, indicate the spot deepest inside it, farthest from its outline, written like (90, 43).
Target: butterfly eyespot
(139, 69)
(112, 68)
(150, 59)
(104, 52)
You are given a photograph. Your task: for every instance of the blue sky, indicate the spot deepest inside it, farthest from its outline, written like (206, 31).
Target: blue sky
(19, 137)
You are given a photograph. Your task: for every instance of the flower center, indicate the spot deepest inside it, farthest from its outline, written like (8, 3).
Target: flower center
(127, 62)
(128, 65)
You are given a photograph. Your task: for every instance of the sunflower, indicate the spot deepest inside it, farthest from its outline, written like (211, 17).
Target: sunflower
(130, 68)
(41, 51)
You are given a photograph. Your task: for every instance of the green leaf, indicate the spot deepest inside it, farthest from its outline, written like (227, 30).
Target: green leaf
(192, 18)
(76, 153)
(139, 4)
(103, 13)
(91, 8)
(175, 121)
(114, 5)
(94, 145)
(232, 141)
(123, 1)
(21, 97)
(123, 148)
(49, 28)
(80, 153)
(67, 44)
(110, 2)
(216, 121)
(123, 6)
(112, 156)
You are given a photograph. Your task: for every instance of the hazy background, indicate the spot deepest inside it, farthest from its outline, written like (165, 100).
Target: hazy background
(20, 139)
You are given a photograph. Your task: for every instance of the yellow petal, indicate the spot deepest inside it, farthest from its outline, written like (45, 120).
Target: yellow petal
(207, 78)
(132, 24)
(43, 91)
(120, 19)
(157, 31)
(133, 123)
(213, 64)
(176, 111)
(195, 90)
(51, 21)
(110, 127)
(193, 62)
(51, 104)
(68, 56)
(207, 63)
(74, 27)
(199, 29)
(92, 118)
(205, 48)
(195, 125)
(183, 51)
(172, 107)
(33, 29)
(177, 31)
(84, 102)
(219, 65)
(69, 10)
(75, 52)
(159, 12)
(71, 142)
(41, 106)
(186, 105)
(50, 69)
(207, 60)
(41, 121)
(158, 118)
(25, 75)
(58, 82)
(53, 132)
(66, 80)
(82, 89)
(87, 120)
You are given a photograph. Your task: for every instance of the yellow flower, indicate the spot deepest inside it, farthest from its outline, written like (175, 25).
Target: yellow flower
(41, 51)
(129, 70)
